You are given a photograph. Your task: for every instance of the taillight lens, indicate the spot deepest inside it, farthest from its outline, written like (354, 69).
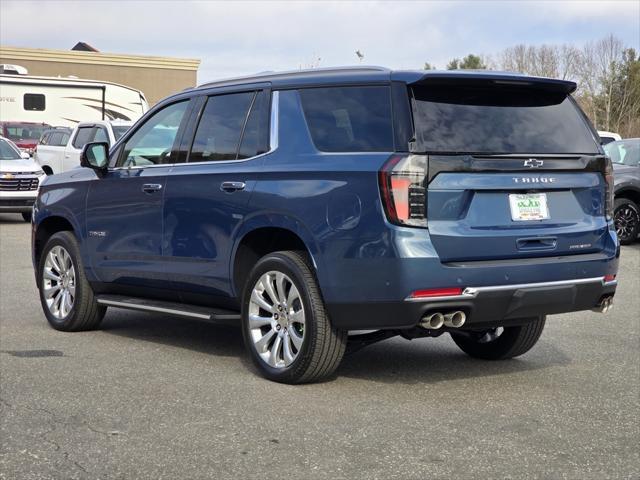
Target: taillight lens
(403, 187)
(608, 190)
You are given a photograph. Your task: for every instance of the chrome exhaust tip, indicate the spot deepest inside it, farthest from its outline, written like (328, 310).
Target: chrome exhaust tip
(433, 321)
(455, 319)
(604, 306)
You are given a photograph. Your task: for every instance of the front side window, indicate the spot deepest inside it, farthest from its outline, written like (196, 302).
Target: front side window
(54, 139)
(100, 135)
(624, 152)
(349, 119)
(83, 136)
(7, 152)
(119, 131)
(44, 139)
(64, 139)
(220, 127)
(153, 142)
(34, 102)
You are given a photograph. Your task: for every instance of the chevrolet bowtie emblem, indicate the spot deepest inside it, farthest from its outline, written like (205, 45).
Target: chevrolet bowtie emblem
(533, 163)
(8, 176)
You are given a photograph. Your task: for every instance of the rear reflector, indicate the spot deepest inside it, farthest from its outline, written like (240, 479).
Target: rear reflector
(436, 292)
(609, 278)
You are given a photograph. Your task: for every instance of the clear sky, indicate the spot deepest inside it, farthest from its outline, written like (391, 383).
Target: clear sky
(235, 38)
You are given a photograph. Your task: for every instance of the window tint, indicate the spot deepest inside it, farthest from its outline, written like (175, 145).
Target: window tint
(100, 135)
(54, 139)
(470, 119)
(153, 142)
(33, 101)
(255, 139)
(83, 136)
(65, 139)
(349, 119)
(44, 140)
(220, 127)
(119, 131)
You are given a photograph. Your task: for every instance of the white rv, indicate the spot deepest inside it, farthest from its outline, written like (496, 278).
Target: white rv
(67, 101)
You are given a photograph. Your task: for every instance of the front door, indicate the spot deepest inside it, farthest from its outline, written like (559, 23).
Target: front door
(124, 208)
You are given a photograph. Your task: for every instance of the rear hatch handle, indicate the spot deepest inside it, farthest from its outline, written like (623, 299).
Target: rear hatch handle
(537, 243)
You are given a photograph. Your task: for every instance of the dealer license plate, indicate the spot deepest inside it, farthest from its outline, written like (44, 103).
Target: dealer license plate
(528, 206)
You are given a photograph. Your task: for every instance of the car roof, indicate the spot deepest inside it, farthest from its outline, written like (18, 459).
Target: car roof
(113, 123)
(374, 74)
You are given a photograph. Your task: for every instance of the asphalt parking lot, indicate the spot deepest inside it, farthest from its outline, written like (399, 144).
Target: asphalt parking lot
(152, 396)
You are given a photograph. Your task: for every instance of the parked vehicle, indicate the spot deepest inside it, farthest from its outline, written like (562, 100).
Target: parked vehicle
(608, 137)
(23, 134)
(67, 101)
(61, 150)
(625, 155)
(308, 204)
(19, 180)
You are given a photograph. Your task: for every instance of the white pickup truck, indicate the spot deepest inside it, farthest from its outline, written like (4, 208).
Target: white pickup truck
(55, 155)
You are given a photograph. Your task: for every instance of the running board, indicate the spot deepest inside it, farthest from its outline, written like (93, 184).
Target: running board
(195, 312)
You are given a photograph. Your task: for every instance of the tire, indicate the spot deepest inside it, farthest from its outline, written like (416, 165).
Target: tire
(290, 351)
(626, 216)
(26, 216)
(84, 313)
(512, 342)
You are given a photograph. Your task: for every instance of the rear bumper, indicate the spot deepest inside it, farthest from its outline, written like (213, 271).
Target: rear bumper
(484, 306)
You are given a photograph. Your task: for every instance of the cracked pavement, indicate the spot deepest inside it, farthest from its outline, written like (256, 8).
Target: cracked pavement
(153, 396)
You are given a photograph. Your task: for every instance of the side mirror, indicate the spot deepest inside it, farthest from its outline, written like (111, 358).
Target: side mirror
(95, 155)
(25, 155)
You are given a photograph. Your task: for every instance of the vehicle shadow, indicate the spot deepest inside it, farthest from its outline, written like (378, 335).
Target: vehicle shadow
(392, 361)
(439, 360)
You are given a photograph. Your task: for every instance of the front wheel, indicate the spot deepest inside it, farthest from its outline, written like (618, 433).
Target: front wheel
(502, 342)
(284, 323)
(66, 296)
(626, 217)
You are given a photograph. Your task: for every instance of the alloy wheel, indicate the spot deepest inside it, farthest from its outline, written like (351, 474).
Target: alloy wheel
(59, 282)
(276, 319)
(626, 221)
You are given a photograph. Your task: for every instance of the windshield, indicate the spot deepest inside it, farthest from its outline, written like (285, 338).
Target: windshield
(24, 131)
(119, 131)
(624, 152)
(7, 152)
(490, 120)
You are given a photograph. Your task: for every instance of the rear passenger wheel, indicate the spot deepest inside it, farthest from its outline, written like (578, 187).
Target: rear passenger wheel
(502, 342)
(626, 217)
(284, 323)
(66, 296)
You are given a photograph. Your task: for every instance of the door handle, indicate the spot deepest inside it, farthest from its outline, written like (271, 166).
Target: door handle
(151, 187)
(231, 187)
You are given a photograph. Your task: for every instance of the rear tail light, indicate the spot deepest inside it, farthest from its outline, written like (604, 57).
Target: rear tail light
(403, 182)
(608, 190)
(437, 292)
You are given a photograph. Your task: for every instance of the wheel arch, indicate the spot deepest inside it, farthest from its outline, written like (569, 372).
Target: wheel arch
(260, 237)
(46, 228)
(632, 194)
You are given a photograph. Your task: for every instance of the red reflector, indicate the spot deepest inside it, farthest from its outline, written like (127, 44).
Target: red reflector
(609, 278)
(436, 292)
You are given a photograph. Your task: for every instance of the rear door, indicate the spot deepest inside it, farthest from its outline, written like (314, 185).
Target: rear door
(207, 197)
(513, 171)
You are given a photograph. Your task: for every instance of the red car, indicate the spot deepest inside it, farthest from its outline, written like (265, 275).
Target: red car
(24, 134)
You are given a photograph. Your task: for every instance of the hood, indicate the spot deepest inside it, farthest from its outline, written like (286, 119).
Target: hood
(21, 165)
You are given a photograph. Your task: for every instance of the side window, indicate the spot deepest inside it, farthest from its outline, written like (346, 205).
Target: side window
(34, 101)
(101, 135)
(54, 139)
(349, 119)
(218, 133)
(255, 139)
(153, 142)
(64, 140)
(44, 140)
(83, 136)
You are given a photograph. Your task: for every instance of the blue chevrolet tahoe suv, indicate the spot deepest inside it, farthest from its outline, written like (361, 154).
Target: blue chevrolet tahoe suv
(328, 209)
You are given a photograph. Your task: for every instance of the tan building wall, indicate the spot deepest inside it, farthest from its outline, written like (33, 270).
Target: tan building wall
(156, 77)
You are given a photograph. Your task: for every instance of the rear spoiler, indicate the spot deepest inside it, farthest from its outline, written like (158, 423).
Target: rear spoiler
(473, 78)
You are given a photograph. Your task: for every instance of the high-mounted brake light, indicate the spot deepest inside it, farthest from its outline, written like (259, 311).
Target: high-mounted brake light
(403, 182)
(436, 292)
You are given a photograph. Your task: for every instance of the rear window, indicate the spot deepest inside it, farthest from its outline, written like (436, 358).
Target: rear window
(455, 119)
(349, 119)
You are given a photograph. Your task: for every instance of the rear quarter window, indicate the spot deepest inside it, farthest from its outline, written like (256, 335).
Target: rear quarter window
(349, 119)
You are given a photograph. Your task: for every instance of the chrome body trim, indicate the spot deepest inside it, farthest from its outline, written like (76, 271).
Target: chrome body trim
(472, 292)
(150, 308)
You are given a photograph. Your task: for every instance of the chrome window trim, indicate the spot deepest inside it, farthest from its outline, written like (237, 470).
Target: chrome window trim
(473, 292)
(273, 143)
